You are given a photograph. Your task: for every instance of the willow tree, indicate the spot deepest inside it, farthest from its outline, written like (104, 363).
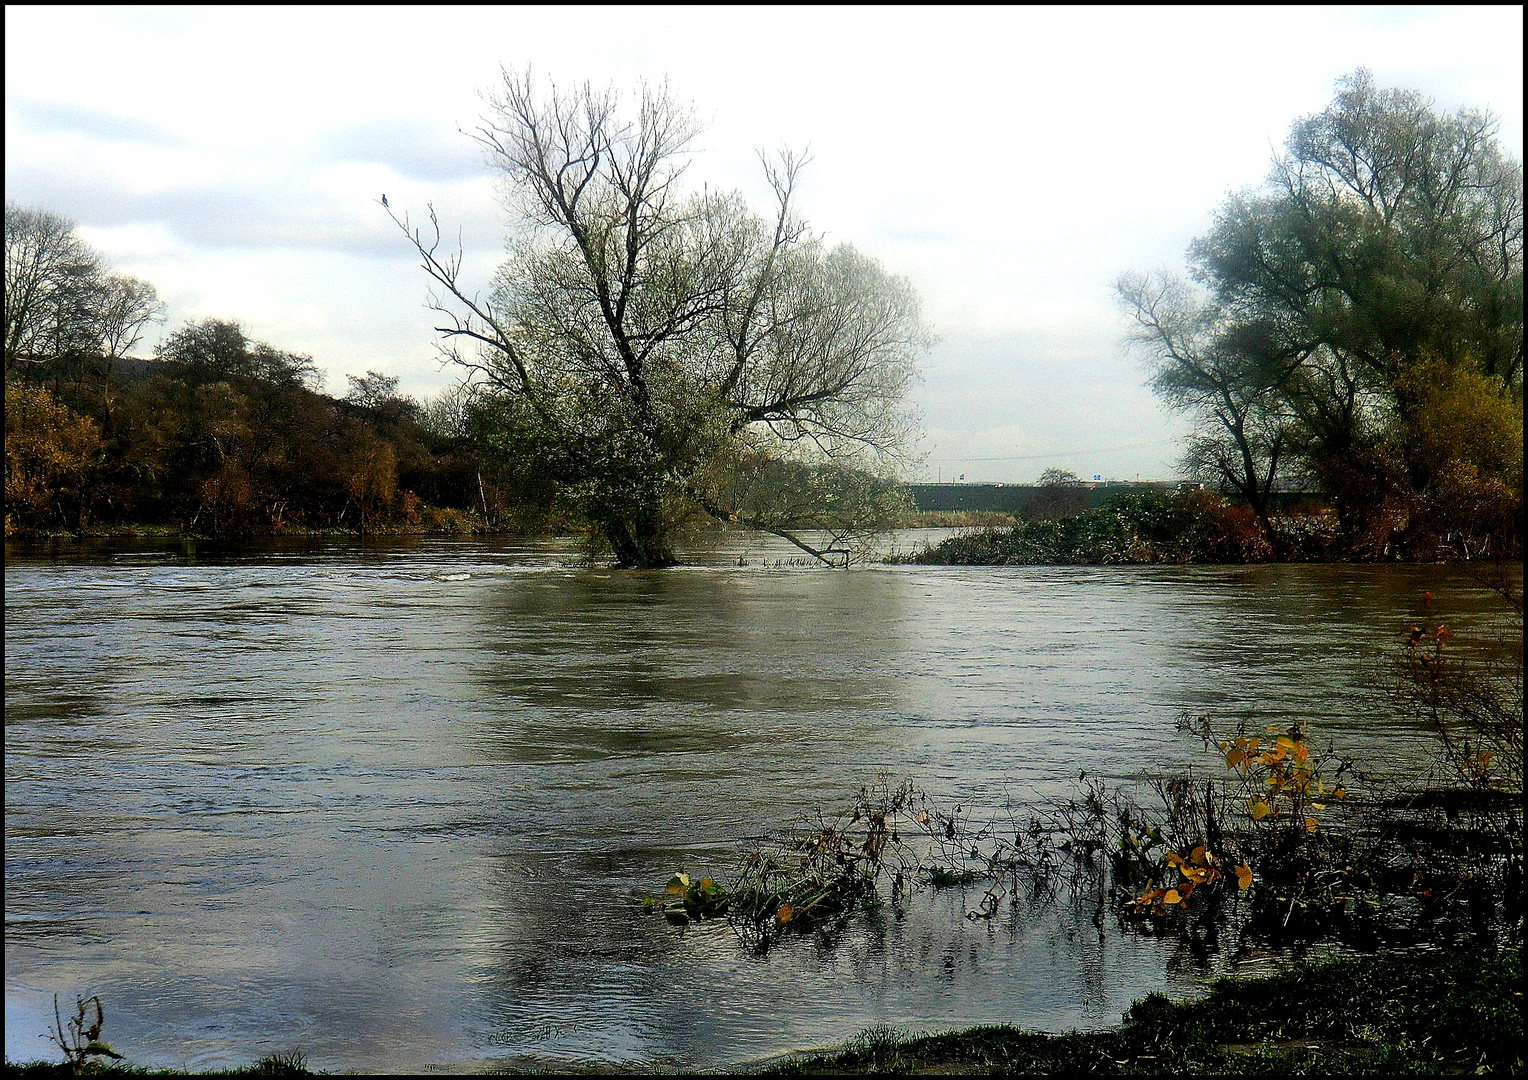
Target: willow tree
(654, 352)
(1383, 254)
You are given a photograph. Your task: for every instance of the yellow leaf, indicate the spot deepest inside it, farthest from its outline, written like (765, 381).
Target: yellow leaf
(1172, 897)
(1243, 877)
(783, 916)
(1340, 793)
(1318, 806)
(1310, 824)
(679, 884)
(1259, 809)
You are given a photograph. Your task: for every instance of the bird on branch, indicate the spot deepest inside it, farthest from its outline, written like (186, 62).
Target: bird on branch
(384, 202)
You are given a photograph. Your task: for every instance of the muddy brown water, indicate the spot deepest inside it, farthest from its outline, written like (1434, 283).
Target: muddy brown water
(392, 804)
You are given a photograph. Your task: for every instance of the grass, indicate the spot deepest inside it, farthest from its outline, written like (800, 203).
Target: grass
(1419, 1013)
(269, 1065)
(1433, 1012)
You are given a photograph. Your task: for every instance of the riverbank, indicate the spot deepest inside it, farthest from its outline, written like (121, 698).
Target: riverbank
(1195, 526)
(1424, 1012)
(457, 524)
(1429, 1012)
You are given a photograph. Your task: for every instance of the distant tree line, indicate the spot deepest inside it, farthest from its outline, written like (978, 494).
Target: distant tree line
(1355, 327)
(217, 434)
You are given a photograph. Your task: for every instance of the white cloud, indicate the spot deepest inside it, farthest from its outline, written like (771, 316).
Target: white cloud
(1011, 162)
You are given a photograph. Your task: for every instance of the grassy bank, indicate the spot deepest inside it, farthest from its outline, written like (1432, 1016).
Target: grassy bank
(1431, 1012)
(1425, 1012)
(270, 1065)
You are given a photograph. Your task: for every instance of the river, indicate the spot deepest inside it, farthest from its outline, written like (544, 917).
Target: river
(392, 804)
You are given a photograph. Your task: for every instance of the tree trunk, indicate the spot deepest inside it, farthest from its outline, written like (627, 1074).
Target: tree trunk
(1260, 512)
(639, 539)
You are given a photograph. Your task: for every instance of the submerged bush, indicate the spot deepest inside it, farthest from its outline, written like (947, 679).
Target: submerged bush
(1277, 840)
(1184, 526)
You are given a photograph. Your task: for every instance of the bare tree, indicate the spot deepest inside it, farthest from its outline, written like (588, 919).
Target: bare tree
(639, 337)
(51, 279)
(125, 306)
(1229, 377)
(448, 414)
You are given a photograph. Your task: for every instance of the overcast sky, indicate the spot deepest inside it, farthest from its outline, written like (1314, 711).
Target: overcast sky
(1010, 163)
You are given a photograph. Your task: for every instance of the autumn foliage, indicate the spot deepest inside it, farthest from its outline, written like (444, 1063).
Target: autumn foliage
(225, 437)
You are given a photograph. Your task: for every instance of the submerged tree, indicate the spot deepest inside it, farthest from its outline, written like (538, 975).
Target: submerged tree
(653, 353)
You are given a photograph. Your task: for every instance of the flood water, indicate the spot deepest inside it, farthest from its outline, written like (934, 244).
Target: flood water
(392, 805)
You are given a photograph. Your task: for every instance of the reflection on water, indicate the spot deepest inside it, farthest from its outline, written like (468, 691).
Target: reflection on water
(390, 804)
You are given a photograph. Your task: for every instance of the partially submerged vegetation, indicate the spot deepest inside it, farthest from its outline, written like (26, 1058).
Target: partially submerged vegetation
(1277, 842)
(1192, 525)
(1188, 525)
(85, 1053)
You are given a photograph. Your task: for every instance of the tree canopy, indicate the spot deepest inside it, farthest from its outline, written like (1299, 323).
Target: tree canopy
(218, 434)
(654, 353)
(1378, 271)
(60, 300)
